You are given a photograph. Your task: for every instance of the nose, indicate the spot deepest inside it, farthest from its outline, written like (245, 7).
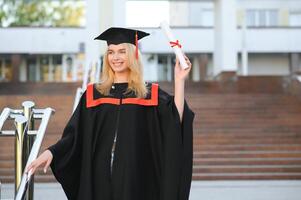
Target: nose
(115, 56)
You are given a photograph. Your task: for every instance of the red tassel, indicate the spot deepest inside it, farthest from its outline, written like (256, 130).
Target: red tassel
(136, 41)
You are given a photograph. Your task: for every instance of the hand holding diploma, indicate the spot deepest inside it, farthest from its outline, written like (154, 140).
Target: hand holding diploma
(174, 44)
(182, 68)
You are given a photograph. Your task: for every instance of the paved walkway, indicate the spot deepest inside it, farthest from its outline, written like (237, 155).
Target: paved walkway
(200, 190)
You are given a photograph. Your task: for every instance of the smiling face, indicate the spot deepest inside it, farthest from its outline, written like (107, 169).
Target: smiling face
(118, 58)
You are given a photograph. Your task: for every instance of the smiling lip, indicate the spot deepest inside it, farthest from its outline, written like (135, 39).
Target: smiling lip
(119, 63)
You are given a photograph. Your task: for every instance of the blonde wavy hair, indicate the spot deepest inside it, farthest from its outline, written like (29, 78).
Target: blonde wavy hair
(135, 79)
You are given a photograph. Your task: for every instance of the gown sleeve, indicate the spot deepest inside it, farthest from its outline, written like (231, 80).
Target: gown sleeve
(66, 163)
(177, 139)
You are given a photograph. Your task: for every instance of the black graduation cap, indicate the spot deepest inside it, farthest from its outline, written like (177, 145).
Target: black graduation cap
(117, 35)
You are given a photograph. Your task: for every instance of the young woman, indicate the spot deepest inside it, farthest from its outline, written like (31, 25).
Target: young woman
(126, 140)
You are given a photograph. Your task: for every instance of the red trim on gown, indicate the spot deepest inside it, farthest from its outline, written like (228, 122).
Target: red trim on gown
(153, 101)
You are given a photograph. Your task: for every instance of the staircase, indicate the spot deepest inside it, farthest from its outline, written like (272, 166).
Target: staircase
(245, 129)
(246, 136)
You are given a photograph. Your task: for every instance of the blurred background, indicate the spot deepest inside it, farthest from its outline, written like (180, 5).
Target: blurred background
(245, 84)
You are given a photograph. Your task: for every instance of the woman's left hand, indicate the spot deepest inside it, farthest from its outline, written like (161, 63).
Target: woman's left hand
(180, 73)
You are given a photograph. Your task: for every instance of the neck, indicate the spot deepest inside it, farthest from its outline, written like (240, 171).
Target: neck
(120, 77)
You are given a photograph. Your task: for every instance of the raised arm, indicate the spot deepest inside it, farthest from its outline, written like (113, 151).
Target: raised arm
(180, 76)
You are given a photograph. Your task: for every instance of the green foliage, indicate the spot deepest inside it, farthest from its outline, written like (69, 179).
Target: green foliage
(41, 13)
(68, 14)
(32, 13)
(2, 13)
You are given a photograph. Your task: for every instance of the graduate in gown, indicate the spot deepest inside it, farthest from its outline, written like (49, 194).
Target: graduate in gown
(127, 139)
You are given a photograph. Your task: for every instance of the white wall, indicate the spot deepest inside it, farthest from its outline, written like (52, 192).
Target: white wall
(41, 40)
(196, 40)
(268, 4)
(268, 64)
(179, 13)
(273, 40)
(193, 40)
(92, 29)
(225, 36)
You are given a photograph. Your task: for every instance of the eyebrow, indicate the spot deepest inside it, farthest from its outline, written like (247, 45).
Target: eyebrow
(117, 50)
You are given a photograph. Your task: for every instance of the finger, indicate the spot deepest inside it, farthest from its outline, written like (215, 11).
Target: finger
(47, 165)
(31, 171)
(177, 63)
(187, 60)
(188, 64)
(29, 167)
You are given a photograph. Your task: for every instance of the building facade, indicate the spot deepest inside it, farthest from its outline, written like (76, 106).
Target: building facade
(248, 37)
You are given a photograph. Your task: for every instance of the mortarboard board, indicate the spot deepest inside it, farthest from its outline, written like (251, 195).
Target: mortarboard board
(117, 35)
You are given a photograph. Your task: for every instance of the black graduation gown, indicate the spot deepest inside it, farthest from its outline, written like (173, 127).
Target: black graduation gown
(153, 150)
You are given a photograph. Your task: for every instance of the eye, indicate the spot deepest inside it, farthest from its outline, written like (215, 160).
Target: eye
(122, 51)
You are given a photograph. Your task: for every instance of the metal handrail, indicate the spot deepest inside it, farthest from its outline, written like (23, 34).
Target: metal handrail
(92, 72)
(78, 94)
(3, 117)
(34, 152)
(79, 90)
(8, 113)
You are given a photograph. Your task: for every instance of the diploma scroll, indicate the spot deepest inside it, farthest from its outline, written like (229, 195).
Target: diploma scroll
(176, 46)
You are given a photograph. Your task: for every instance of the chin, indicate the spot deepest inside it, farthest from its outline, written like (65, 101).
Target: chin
(120, 69)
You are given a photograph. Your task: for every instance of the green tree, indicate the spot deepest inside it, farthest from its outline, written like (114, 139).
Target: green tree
(31, 13)
(2, 13)
(68, 14)
(41, 13)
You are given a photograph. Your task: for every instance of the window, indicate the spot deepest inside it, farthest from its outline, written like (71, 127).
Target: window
(33, 70)
(251, 18)
(5, 69)
(295, 18)
(57, 68)
(44, 68)
(200, 14)
(272, 17)
(207, 17)
(194, 14)
(262, 18)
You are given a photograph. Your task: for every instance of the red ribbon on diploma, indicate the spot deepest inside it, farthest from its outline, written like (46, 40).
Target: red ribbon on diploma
(176, 43)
